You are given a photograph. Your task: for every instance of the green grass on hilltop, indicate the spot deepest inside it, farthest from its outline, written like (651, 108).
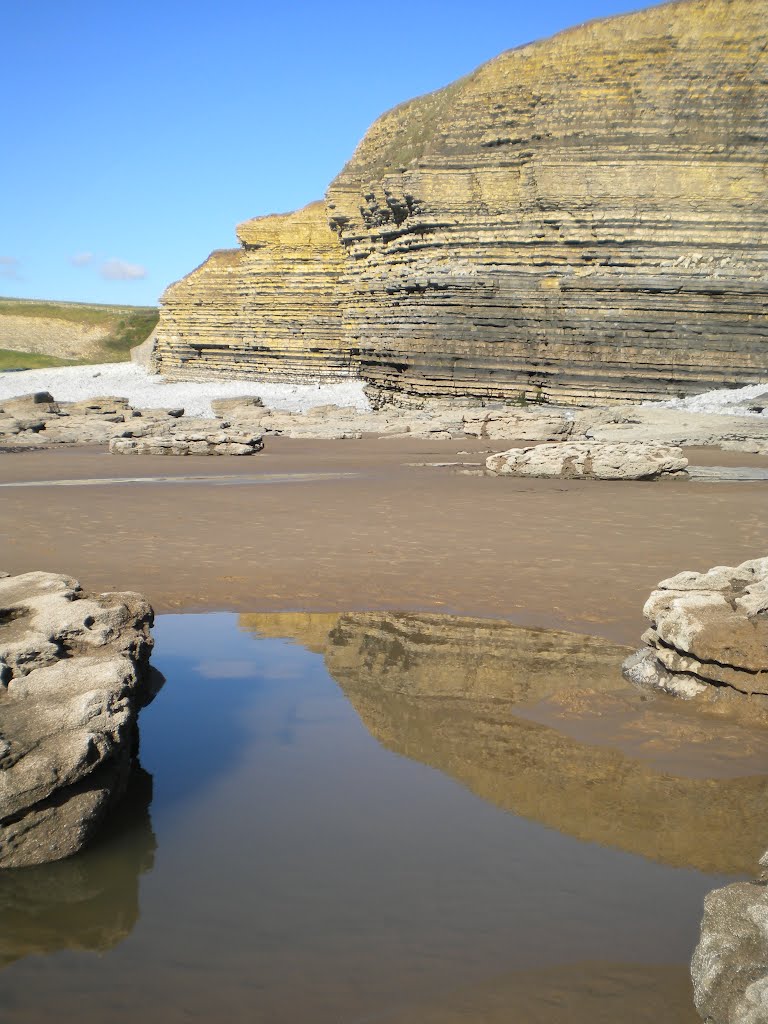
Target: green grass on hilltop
(127, 326)
(10, 360)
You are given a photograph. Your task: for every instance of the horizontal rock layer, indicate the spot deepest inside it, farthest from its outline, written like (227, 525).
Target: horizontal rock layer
(584, 218)
(270, 309)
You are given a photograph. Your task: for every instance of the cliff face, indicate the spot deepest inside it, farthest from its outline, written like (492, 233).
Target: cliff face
(271, 308)
(497, 706)
(582, 218)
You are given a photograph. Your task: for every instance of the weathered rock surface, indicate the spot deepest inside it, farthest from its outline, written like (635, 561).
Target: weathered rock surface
(73, 674)
(730, 964)
(190, 442)
(88, 902)
(271, 308)
(709, 633)
(583, 218)
(38, 420)
(590, 461)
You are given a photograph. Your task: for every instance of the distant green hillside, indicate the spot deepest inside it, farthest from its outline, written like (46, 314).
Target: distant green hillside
(36, 333)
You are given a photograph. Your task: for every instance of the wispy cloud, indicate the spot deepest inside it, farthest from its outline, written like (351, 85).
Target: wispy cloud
(9, 267)
(82, 259)
(119, 270)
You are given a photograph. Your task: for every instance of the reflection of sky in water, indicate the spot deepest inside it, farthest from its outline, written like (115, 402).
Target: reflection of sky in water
(303, 872)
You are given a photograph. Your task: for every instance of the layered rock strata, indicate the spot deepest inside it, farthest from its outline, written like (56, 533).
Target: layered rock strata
(730, 964)
(269, 309)
(73, 674)
(593, 461)
(708, 634)
(583, 218)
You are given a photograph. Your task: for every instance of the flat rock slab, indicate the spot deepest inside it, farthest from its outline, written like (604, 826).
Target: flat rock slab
(595, 461)
(190, 443)
(73, 674)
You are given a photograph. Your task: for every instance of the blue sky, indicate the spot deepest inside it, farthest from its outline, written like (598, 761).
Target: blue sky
(134, 136)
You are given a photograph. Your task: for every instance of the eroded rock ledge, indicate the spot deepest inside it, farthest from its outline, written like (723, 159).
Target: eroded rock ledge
(708, 633)
(74, 671)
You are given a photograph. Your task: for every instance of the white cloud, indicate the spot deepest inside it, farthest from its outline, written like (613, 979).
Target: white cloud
(82, 259)
(119, 270)
(9, 267)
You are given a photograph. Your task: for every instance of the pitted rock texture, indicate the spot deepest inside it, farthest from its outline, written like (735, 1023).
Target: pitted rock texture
(708, 631)
(590, 461)
(73, 674)
(583, 218)
(730, 964)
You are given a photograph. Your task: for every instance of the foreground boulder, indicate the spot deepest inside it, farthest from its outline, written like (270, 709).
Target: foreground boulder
(730, 964)
(709, 632)
(73, 674)
(590, 461)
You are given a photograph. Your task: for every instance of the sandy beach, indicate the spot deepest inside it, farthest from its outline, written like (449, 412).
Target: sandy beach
(355, 525)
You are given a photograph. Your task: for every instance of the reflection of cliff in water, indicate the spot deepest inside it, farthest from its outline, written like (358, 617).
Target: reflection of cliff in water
(89, 901)
(602, 762)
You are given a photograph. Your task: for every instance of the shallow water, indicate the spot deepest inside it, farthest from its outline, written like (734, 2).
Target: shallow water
(307, 861)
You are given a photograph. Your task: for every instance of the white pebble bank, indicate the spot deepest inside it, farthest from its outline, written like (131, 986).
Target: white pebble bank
(725, 401)
(146, 391)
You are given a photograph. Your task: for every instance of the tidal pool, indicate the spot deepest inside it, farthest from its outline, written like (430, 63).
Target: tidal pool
(383, 818)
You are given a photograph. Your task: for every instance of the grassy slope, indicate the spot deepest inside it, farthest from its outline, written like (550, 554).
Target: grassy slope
(127, 326)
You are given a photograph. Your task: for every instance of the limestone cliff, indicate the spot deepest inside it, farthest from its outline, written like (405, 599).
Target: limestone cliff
(582, 218)
(270, 308)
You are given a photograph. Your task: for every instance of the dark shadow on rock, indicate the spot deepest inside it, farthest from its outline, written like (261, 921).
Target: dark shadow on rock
(89, 901)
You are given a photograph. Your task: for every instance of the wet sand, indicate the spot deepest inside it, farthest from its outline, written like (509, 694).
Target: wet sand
(374, 532)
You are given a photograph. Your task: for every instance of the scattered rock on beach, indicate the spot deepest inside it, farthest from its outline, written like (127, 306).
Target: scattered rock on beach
(730, 964)
(709, 632)
(590, 461)
(74, 671)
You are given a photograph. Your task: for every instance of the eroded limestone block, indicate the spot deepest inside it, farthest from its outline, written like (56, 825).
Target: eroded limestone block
(74, 671)
(590, 461)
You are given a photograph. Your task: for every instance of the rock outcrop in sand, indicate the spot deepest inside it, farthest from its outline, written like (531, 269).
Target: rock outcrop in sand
(708, 633)
(592, 461)
(730, 964)
(73, 674)
(583, 218)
